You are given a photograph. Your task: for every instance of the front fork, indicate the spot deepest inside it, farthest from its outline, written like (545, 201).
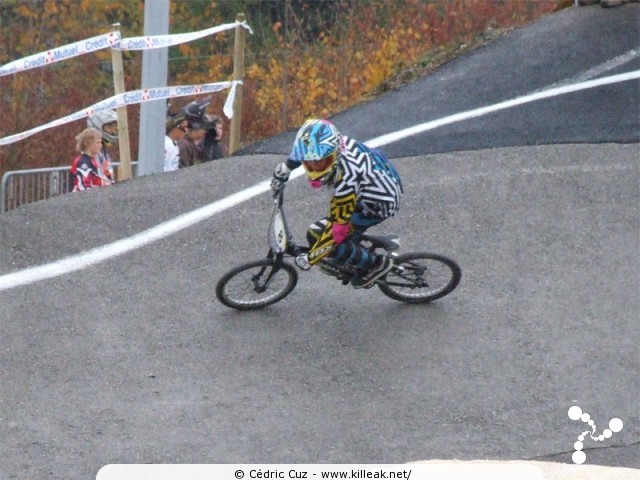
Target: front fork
(277, 258)
(259, 285)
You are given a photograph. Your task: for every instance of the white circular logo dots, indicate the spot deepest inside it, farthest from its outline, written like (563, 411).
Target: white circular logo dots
(615, 425)
(575, 413)
(579, 457)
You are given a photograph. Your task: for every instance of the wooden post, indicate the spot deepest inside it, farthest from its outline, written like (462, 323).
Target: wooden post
(124, 172)
(238, 74)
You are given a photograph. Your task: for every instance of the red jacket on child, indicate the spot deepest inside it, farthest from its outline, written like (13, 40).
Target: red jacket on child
(85, 173)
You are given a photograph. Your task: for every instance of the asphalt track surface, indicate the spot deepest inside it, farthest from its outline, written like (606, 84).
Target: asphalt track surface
(132, 360)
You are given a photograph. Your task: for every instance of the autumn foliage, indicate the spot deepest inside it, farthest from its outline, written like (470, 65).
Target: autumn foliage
(306, 58)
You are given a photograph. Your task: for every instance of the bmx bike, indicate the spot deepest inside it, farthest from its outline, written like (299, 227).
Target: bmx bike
(416, 277)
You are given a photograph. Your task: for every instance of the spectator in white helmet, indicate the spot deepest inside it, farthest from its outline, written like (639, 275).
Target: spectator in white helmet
(106, 122)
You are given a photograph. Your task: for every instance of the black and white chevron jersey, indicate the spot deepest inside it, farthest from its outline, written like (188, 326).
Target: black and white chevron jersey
(366, 182)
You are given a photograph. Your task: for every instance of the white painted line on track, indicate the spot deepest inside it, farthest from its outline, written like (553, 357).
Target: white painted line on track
(608, 65)
(598, 69)
(478, 112)
(120, 247)
(163, 230)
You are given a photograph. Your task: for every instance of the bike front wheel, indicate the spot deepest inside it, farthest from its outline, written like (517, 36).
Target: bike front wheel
(256, 284)
(420, 277)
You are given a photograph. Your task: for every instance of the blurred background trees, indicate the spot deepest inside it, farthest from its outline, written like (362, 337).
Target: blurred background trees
(306, 58)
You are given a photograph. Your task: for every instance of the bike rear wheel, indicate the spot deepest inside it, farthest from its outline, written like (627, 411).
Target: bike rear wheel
(256, 284)
(420, 277)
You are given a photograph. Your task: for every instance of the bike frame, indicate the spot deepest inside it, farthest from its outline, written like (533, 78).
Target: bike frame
(281, 243)
(279, 237)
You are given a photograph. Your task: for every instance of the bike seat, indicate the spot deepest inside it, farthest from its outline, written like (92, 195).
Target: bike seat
(388, 242)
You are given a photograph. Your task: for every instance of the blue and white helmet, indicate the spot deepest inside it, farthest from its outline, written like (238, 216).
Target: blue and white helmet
(317, 146)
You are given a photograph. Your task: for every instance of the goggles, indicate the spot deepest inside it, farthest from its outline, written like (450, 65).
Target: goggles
(318, 168)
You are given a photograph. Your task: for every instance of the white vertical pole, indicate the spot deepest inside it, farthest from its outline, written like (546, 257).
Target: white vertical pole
(155, 64)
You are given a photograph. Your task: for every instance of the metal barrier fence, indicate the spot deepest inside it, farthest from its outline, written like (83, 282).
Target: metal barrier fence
(20, 187)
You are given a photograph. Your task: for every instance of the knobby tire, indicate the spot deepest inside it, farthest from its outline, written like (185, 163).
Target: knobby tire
(420, 277)
(237, 288)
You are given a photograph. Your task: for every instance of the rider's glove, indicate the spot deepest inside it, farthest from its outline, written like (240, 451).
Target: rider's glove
(340, 231)
(280, 176)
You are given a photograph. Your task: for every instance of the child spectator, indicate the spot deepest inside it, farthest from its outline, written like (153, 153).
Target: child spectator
(85, 170)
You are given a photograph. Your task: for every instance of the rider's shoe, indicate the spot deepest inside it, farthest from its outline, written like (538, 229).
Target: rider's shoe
(329, 268)
(380, 268)
(302, 261)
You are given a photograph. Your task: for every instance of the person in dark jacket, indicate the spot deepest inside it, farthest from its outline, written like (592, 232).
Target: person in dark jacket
(190, 151)
(206, 133)
(210, 145)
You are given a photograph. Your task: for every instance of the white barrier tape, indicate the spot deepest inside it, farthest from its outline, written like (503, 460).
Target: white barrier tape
(228, 104)
(160, 41)
(110, 40)
(130, 98)
(61, 53)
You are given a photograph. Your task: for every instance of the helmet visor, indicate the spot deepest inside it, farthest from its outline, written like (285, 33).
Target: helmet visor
(316, 169)
(111, 128)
